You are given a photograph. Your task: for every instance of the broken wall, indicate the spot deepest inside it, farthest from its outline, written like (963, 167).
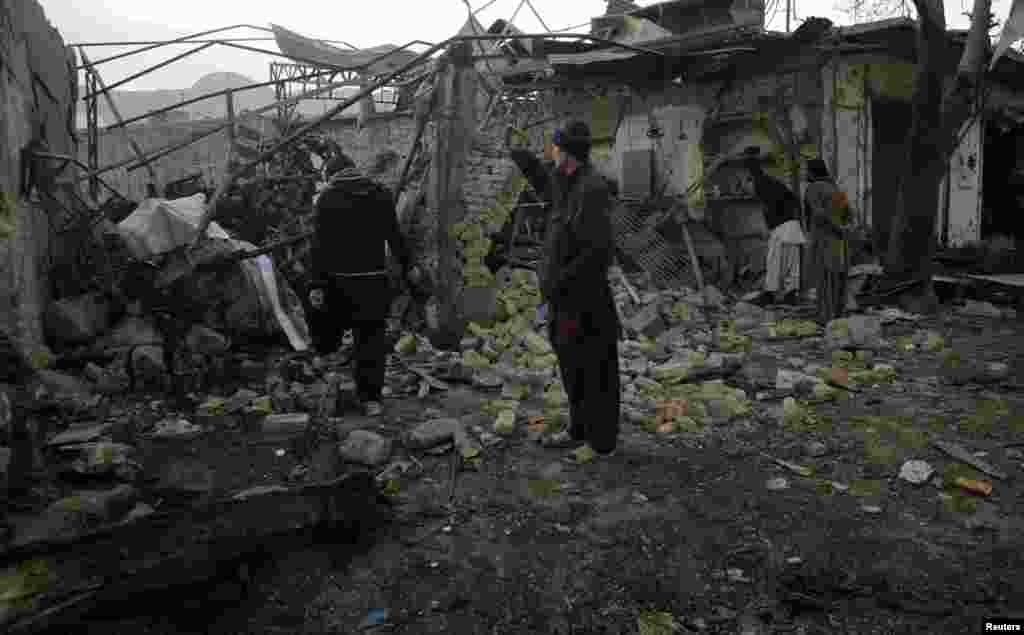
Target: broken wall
(380, 133)
(207, 156)
(959, 223)
(852, 84)
(846, 130)
(36, 85)
(620, 119)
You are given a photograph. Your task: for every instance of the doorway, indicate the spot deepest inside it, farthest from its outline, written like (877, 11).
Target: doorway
(1002, 212)
(890, 122)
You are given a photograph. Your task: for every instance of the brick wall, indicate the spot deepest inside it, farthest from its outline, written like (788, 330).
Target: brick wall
(36, 86)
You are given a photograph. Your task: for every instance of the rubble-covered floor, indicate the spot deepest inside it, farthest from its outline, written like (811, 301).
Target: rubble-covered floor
(730, 512)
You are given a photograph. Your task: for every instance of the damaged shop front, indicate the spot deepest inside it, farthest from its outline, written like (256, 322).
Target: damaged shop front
(675, 142)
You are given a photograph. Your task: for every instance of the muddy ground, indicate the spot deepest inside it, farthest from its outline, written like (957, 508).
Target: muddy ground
(694, 525)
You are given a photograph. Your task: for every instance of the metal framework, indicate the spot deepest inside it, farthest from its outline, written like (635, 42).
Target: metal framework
(293, 80)
(93, 137)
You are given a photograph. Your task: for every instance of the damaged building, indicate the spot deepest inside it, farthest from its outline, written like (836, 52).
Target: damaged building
(154, 274)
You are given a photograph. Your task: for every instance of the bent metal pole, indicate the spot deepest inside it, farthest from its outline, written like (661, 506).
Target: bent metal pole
(362, 94)
(230, 178)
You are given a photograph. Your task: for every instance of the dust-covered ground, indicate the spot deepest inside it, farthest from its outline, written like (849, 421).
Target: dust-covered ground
(759, 523)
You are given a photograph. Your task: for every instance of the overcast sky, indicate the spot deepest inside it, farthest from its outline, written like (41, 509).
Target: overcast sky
(366, 24)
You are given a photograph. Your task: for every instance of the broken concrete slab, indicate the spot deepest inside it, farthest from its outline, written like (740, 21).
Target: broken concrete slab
(80, 434)
(202, 339)
(793, 381)
(748, 310)
(73, 515)
(5, 464)
(961, 454)
(63, 386)
(981, 309)
(78, 320)
(366, 448)
(285, 425)
(242, 399)
(131, 331)
(176, 429)
(148, 364)
(760, 371)
(102, 459)
(856, 331)
(536, 344)
(186, 475)
(139, 511)
(648, 322)
(432, 433)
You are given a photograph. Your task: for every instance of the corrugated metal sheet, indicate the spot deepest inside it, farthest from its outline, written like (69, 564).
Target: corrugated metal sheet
(303, 48)
(624, 29)
(592, 57)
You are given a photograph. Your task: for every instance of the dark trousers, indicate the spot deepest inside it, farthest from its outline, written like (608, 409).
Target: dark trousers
(361, 304)
(588, 360)
(831, 295)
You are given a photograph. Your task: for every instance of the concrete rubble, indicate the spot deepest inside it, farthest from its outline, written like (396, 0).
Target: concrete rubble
(698, 368)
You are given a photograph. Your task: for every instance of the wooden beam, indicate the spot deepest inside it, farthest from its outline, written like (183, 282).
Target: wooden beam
(455, 127)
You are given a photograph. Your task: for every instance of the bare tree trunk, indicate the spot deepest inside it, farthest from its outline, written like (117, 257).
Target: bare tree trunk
(938, 117)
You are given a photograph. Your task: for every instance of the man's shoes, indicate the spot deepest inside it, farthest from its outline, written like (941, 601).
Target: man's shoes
(561, 440)
(372, 409)
(586, 454)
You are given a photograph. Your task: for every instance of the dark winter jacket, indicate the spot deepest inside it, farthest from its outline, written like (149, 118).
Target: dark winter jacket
(579, 246)
(781, 205)
(355, 217)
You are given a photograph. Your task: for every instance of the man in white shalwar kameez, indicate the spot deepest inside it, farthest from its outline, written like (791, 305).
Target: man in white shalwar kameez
(785, 245)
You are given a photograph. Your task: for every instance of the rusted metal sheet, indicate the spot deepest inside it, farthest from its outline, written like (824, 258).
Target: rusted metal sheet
(303, 48)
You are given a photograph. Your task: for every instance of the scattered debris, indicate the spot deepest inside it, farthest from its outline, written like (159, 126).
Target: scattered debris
(974, 486)
(366, 448)
(960, 454)
(431, 434)
(792, 467)
(776, 484)
(176, 429)
(285, 424)
(815, 449)
(981, 309)
(916, 472)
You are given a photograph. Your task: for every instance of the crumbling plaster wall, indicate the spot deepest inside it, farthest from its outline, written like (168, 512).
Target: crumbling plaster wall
(850, 84)
(742, 110)
(620, 118)
(36, 86)
(846, 131)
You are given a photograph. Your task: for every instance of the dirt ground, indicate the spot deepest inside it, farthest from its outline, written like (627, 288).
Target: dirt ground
(694, 525)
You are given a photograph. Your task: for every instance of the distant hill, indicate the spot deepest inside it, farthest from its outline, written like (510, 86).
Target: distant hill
(132, 103)
(216, 108)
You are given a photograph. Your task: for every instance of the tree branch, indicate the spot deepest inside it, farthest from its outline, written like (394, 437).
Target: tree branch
(960, 100)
